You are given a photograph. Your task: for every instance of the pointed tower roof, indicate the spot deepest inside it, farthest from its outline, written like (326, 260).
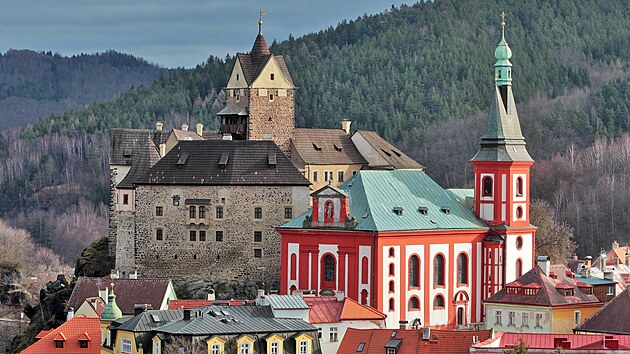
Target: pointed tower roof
(260, 49)
(111, 311)
(502, 139)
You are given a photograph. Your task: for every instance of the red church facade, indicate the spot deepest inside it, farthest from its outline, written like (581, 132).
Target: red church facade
(421, 254)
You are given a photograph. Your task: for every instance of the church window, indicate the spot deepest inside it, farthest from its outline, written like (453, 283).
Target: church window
(258, 213)
(257, 236)
(202, 235)
(219, 212)
(438, 270)
(193, 212)
(364, 270)
(438, 303)
(272, 76)
(392, 271)
(519, 212)
(288, 213)
(519, 243)
(159, 234)
(193, 235)
(487, 186)
(218, 235)
(329, 268)
(314, 176)
(392, 252)
(519, 267)
(414, 272)
(159, 211)
(293, 266)
(392, 286)
(257, 253)
(414, 303)
(392, 306)
(519, 187)
(462, 269)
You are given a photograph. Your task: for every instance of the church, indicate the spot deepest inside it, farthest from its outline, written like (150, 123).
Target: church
(423, 255)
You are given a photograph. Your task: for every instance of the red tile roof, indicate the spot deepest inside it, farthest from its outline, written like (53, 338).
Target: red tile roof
(42, 333)
(71, 332)
(353, 310)
(441, 341)
(611, 318)
(329, 310)
(578, 342)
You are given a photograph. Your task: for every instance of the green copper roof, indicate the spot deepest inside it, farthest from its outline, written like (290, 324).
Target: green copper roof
(111, 311)
(502, 68)
(420, 203)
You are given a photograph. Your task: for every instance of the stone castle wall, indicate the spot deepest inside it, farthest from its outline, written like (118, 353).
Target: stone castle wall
(177, 257)
(277, 117)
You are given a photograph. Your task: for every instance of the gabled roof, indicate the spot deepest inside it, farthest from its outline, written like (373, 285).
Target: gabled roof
(548, 294)
(611, 318)
(325, 147)
(149, 320)
(129, 292)
(221, 162)
(374, 195)
(144, 157)
(76, 329)
(381, 154)
(286, 302)
(253, 66)
(617, 253)
(186, 135)
(125, 142)
(329, 310)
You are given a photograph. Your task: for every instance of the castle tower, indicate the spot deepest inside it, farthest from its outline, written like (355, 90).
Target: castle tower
(502, 175)
(260, 97)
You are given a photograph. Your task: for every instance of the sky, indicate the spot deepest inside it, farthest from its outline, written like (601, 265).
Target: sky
(171, 33)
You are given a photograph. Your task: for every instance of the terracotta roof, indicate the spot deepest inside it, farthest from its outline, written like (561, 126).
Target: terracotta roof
(411, 342)
(129, 292)
(329, 310)
(76, 329)
(549, 293)
(325, 147)
(578, 342)
(611, 318)
(42, 333)
(221, 162)
(618, 252)
(191, 304)
(352, 310)
(392, 157)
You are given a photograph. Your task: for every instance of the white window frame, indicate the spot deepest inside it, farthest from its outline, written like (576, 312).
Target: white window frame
(539, 318)
(334, 335)
(216, 348)
(303, 347)
(610, 290)
(498, 317)
(577, 316)
(244, 348)
(156, 348)
(274, 347)
(525, 319)
(126, 346)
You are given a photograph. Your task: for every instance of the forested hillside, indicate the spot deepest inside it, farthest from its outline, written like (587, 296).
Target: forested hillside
(36, 84)
(420, 75)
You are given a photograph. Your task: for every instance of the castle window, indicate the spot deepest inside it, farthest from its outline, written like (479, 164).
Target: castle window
(314, 176)
(258, 213)
(159, 234)
(159, 211)
(414, 272)
(519, 187)
(414, 303)
(202, 212)
(193, 235)
(257, 236)
(271, 97)
(438, 270)
(392, 306)
(438, 303)
(462, 269)
(218, 235)
(219, 212)
(288, 213)
(257, 253)
(487, 187)
(193, 212)
(125, 199)
(202, 235)
(340, 176)
(271, 76)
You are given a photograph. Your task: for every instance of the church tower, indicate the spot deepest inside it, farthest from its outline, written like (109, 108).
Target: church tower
(502, 179)
(260, 97)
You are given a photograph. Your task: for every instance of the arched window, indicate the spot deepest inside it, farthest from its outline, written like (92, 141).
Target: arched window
(391, 286)
(460, 316)
(414, 304)
(414, 272)
(519, 212)
(364, 297)
(519, 243)
(438, 303)
(438, 270)
(519, 268)
(329, 268)
(364, 270)
(293, 266)
(392, 272)
(391, 304)
(392, 252)
(519, 187)
(462, 269)
(487, 186)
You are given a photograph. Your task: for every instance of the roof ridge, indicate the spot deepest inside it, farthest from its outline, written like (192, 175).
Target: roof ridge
(539, 271)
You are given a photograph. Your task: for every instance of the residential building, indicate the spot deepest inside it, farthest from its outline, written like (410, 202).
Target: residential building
(550, 343)
(91, 307)
(399, 242)
(612, 318)
(607, 282)
(78, 335)
(541, 301)
(408, 341)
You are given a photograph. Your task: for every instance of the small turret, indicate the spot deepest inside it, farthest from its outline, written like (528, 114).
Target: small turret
(111, 311)
(503, 53)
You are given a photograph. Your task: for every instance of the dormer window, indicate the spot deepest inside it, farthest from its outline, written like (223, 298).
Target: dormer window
(398, 211)
(423, 210)
(83, 344)
(58, 344)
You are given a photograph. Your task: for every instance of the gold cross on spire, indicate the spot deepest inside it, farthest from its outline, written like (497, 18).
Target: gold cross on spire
(503, 18)
(261, 13)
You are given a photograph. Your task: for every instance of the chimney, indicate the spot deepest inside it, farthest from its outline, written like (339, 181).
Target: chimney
(133, 273)
(602, 260)
(628, 258)
(615, 244)
(402, 324)
(260, 297)
(199, 127)
(589, 260)
(140, 308)
(103, 294)
(70, 314)
(185, 127)
(609, 274)
(345, 125)
(211, 295)
(159, 126)
(340, 295)
(186, 314)
(115, 274)
(227, 136)
(611, 343)
(544, 263)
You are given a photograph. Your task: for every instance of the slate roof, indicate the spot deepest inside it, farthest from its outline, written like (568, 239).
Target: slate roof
(374, 195)
(125, 142)
(286, 302)
(611, 318)
(77, 328)
(252, 67)
(186, 135)
(329, 310)
(548, 295)
(394, 158)
(144, 157)
(229, 110)
(129, 292)
(149, 320)
(246, 163)
(325, 147)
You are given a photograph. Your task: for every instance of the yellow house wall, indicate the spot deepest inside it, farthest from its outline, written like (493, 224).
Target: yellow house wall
(264, 79)
(347, 173)
(118, 344)
(233, 82)
(563, 321)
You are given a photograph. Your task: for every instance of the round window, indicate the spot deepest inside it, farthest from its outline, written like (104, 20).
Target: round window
(519, 242)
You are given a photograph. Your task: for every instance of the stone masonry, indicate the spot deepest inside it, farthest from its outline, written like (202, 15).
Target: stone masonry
(277, 116)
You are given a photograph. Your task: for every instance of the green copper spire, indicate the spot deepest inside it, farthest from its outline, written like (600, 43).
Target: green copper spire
(503, 53)
(111, 311)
